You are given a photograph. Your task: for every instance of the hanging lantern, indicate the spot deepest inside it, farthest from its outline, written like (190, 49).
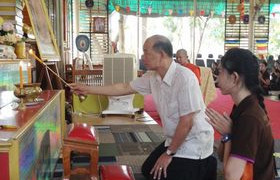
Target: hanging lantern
(180, 12)
(117, 8)
(246, 19)
(212, 13)
(273, 14)
(149, 10)
(202, 13)
(170, 11)
(257, 8)
(174, 10)
(242, 7)
(232, 19)
(223, 14)
(163, 10)
(127, 9)
(239, 8)
(191, 12)
(261, 19)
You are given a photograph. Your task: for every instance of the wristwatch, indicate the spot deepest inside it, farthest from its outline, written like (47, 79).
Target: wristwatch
(226, 138)
(170, 153)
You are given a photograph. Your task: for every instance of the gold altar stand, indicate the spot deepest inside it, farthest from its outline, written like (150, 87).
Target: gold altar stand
(81, 139)
(30, 139)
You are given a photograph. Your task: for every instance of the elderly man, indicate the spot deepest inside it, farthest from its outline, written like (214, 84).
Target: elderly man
(182, 58)
(186, 152)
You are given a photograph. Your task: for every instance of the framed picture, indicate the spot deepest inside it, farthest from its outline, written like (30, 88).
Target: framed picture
(42, 29)
(99, 24)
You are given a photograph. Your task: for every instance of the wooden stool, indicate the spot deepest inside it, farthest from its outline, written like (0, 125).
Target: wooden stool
(82, 139)
(116, 172)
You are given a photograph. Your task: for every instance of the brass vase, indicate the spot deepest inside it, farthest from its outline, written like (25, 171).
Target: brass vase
(20, 50)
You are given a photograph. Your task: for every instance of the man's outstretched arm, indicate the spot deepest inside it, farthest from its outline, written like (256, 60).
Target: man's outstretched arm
(110, 90)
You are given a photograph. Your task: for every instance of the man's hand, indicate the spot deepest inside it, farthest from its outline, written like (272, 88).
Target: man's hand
(161, 166)
(80, 89)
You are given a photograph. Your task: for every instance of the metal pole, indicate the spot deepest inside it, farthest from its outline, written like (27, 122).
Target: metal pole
(251, 26)
(194, 26)
(138, 16)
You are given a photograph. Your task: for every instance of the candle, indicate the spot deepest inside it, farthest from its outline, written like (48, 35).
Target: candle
(29, 73)
(20, 75)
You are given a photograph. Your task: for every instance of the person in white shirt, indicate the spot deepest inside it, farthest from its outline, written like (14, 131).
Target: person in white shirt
(186, 152)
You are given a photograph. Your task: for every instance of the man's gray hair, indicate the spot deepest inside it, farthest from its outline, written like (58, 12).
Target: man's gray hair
(162, 43)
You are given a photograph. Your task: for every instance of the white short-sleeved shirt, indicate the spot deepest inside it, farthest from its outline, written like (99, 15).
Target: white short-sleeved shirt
(179, 94)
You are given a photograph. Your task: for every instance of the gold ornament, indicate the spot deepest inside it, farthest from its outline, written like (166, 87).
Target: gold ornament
(117, 7)
(1, 21)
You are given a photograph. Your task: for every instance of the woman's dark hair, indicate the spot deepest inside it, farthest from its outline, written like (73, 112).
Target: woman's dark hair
(263, 62)
(245, 64)
(270, 58)
(215, 63)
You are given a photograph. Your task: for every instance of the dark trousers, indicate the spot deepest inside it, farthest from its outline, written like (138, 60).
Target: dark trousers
(182, 168)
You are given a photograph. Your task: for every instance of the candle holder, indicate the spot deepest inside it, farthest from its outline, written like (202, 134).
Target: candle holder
(28, 94)
(20, 93)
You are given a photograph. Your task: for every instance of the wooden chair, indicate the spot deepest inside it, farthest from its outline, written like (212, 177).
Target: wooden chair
(86, 75)
(81, 139)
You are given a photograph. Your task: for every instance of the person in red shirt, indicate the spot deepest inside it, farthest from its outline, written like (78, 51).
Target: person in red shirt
(182, 58)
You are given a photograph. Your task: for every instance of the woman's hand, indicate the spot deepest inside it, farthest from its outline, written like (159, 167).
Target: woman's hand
(160, 166)
(222, 123)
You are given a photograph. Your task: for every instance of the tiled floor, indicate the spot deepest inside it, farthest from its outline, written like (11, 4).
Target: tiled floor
(84, 160)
